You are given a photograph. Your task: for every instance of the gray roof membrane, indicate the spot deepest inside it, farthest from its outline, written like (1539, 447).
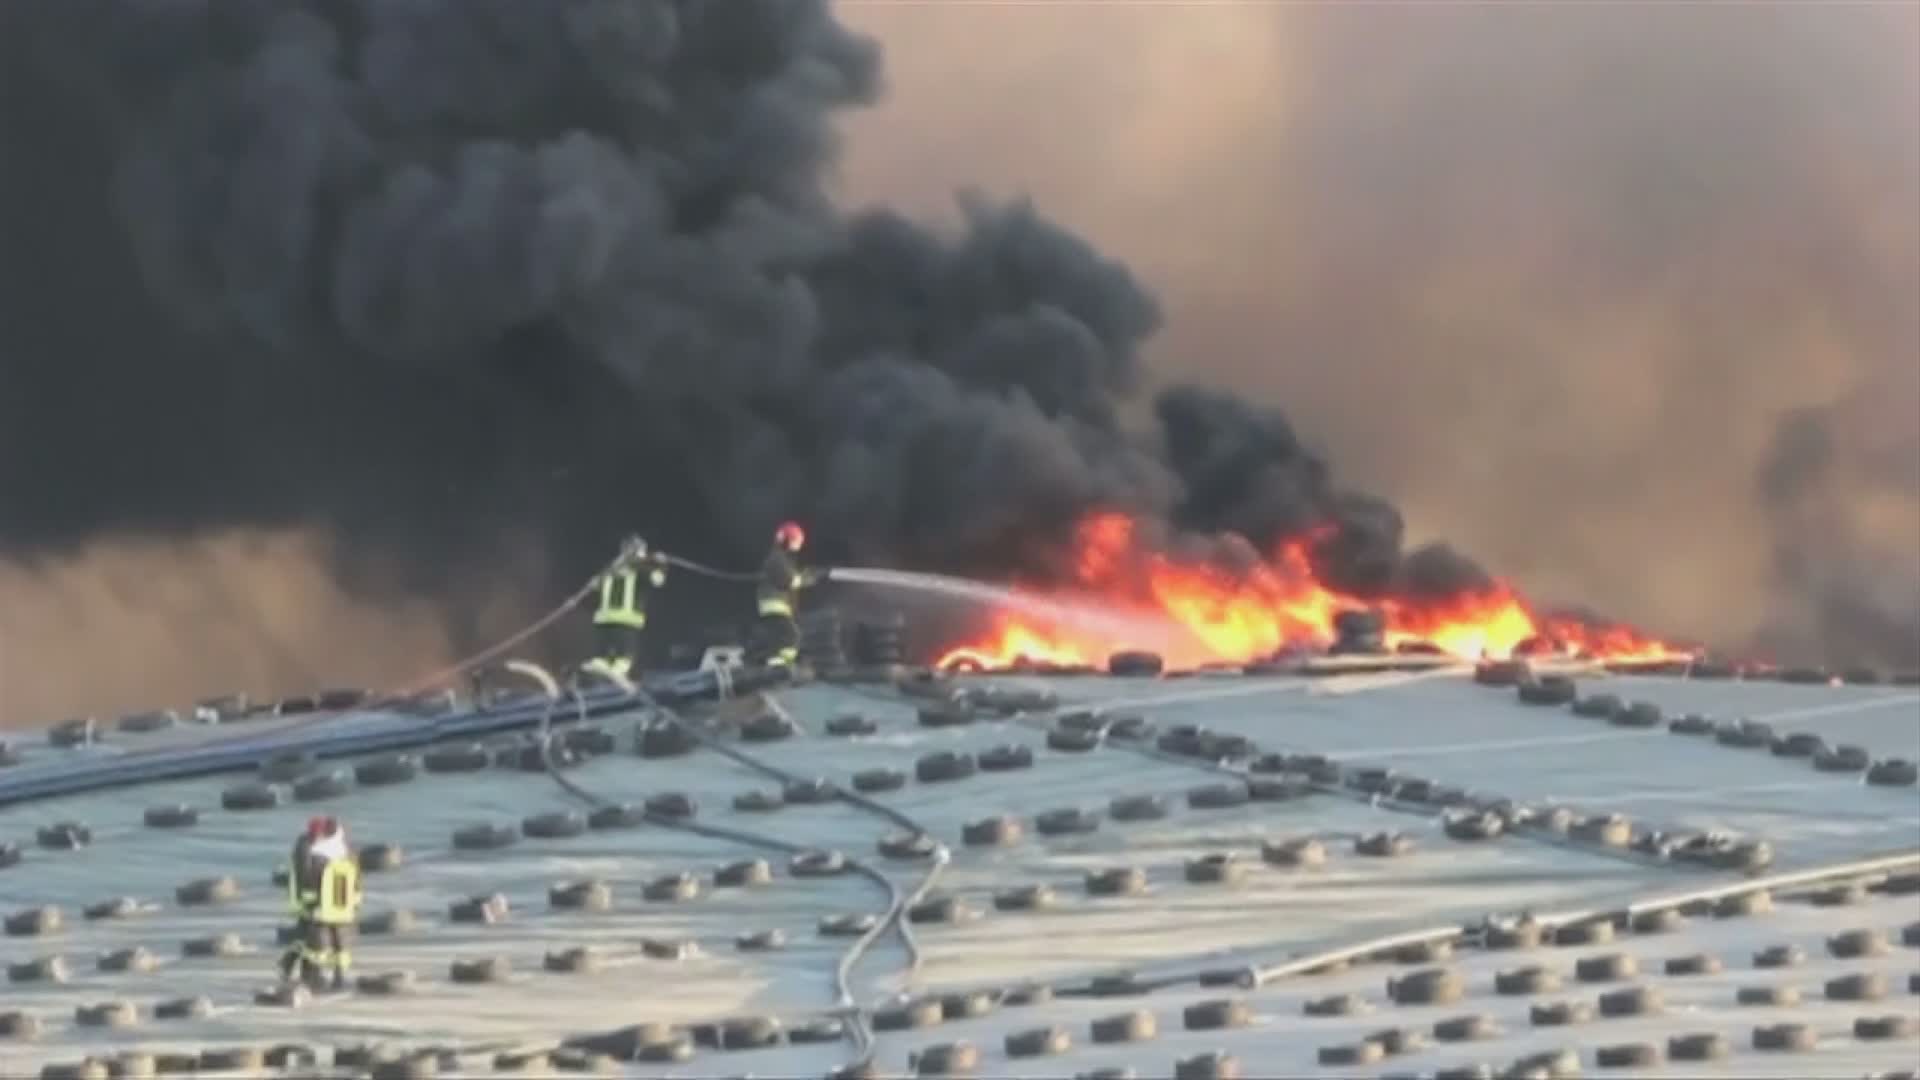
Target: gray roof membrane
(1054, 905)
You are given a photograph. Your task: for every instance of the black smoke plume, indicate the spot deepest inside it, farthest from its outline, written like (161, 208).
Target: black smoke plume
(439, 277)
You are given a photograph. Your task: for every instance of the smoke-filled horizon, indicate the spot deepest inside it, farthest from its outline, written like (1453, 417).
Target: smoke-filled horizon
(442, 296)
(1575, 285)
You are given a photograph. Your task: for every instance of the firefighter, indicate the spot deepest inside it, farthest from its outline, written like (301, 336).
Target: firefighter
(336, 907)
(622, 613)
(778, 594)
(303, 895)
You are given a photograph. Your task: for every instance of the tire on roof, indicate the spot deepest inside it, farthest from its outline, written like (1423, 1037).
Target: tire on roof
(1431, 986)
(945, 765)
(1131, 808)
(1532, 979)
(1640, 714)
(1025, 898)
(1690, 724)
(1854, 944)
(131, 960)
(967, 1004)
(330, 784)
(1038, 1042)
(761, 940)
(386, 983)
(874, 781)
(759, 801)
(554, 825)
(1135, 663)
(389, 770)
(1594, 932)
(1472, 825)
(64, 836)
(1785, 1037)
(205, 891)
(672, 804)
(1296, 853)
(1357, 1053)
(1857, 986)
(1384, 844)
(664, 739)
(1218, 868)
(1889, 1026)
(850, 724)
(743, 874)
(1071, 741)
(1844, 758)
(1743, 734)
(1000, 831)
(1210, 1065)
(1628, 1055)
(1693, 964)
(1468, 1028)
(818, 863)
(1220, 796)
(1779, 956)
(768, 727)
(901, 844)
(1216, 1015)
(1598, 706)
(1066, 821)
(1559, 1013)
(107, 1014)
(1797, 744)
(1335, 1005)
(40, 969)
(589, 895)
(1137, 1025)
(1631, 1001)
(481, 969)
(671, 888)
(461, 758)
(484, 909)
(1698, 1046)
(1893, 772)
(907, 1015)
(1005, 758)
(1546, 690)
(484, 837)
(1116, 881)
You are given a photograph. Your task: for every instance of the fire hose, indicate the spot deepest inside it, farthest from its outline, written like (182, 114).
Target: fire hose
(898, 902)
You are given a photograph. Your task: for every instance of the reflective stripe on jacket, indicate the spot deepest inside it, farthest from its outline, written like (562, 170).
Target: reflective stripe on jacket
(622, 601)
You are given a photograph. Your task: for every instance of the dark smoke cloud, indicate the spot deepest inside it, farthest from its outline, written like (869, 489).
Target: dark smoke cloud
(448, 281)
(1547, 275)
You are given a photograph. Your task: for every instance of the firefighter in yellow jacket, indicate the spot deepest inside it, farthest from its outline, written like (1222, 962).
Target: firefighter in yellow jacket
(778, 597)
(336, 911)
(622, 612)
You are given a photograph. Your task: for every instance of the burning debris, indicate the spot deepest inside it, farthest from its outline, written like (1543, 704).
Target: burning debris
(1225, 607)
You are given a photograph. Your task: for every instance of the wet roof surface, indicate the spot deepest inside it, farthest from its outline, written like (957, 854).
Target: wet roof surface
(677, 961)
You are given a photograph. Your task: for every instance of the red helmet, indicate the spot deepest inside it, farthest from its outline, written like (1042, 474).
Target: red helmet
(316, 828)
(790, 536)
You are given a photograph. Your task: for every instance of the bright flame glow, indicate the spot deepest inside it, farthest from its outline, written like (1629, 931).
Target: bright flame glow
(1272, 604)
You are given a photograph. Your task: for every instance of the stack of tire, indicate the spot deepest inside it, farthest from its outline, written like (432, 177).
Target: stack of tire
(821, 644)
(880, 642)
(1359, 632)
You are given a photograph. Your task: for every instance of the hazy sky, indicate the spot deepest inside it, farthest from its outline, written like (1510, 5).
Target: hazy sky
(1548, 275)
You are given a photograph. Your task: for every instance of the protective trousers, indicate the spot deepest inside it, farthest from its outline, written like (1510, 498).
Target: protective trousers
(326, 947)
(777, 641)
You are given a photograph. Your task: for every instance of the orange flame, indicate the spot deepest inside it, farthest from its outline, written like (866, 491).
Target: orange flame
(1273, 604)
